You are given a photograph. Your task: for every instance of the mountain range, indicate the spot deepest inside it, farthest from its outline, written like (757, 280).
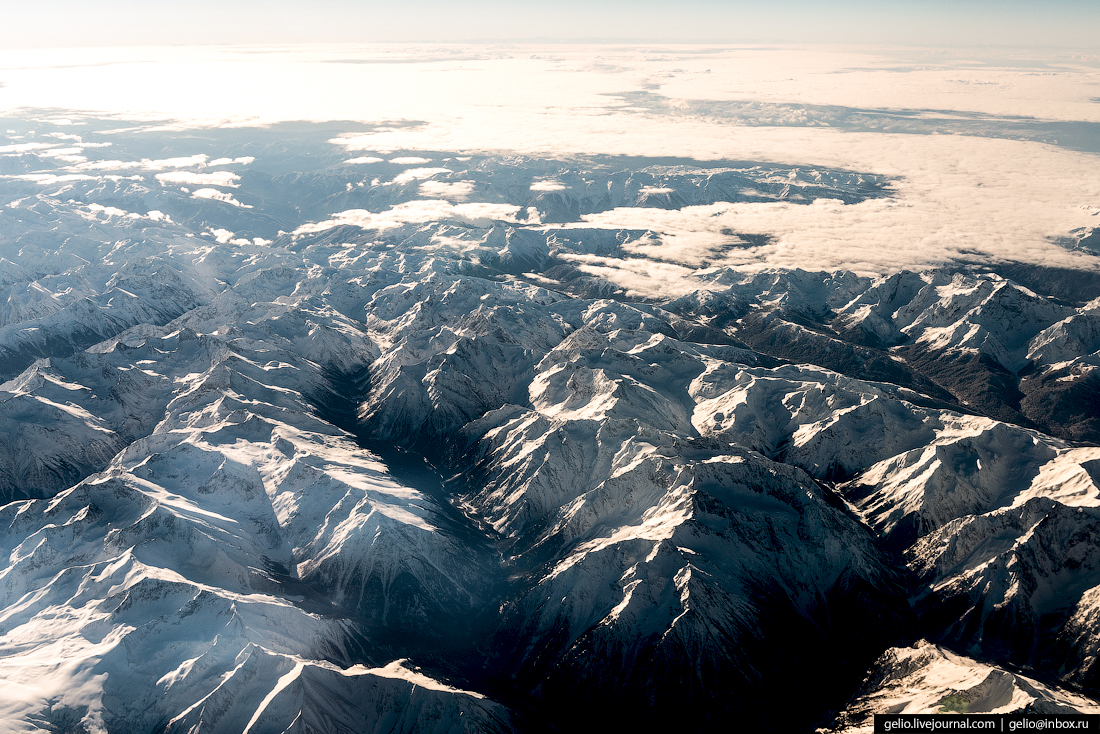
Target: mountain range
(295, 443)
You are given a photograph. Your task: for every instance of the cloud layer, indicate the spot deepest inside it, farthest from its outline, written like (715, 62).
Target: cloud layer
(475, 214)
(956, 197)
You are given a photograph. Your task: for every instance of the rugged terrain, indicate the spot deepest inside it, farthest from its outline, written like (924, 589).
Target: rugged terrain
(296, 443)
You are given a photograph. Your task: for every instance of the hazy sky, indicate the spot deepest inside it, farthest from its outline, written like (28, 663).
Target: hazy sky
(1060, 23)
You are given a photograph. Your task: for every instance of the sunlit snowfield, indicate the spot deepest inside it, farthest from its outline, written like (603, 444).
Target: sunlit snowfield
(990, 155)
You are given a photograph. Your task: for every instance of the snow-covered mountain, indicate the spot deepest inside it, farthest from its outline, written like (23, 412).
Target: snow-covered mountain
(930, 679)
(296, 443)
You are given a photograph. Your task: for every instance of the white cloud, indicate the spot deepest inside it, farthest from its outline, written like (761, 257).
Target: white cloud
(364, 159)
(955, 196)
(49, 178)
(110, 165)
(178, 162)
(145, 164)
(221, 235)
(457, 191)
(75, 143)
(217, 178)
(26, 147)
(71, 159)
(224, 237)
(410, 160)
(891, 79)
(548, 185)
(110, 211)
(413, 174)
(243, 160)
(423, 210)
(57, 152)
(640, 277)
(219, 196)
